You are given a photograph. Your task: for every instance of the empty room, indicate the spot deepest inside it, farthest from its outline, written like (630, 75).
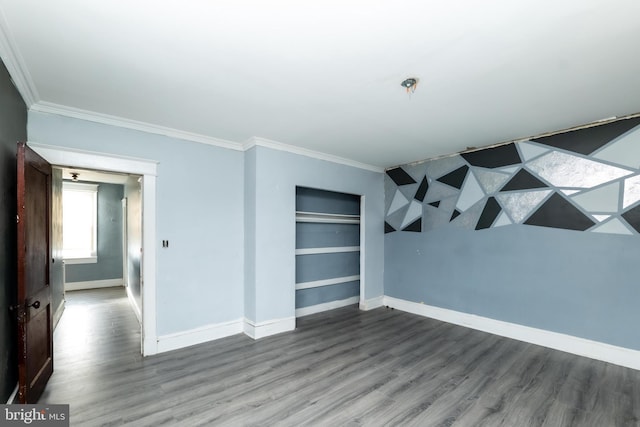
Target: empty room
(321, 213)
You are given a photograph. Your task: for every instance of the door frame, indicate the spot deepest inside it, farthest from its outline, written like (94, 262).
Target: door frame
(68, 157)
(363, 256)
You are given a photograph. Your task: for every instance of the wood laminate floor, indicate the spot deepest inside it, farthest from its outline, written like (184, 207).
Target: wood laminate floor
(340, 368)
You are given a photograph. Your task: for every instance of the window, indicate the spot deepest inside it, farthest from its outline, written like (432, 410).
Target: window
(79, 222)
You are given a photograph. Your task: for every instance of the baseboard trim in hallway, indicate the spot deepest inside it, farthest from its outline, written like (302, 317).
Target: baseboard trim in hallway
(92, 284)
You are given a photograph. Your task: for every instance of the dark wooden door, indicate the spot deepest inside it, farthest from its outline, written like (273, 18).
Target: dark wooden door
(35, 328)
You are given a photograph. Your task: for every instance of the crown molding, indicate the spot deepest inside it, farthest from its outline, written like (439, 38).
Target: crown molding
(62, 110)
(77, 113)
(15, 64)
(275, 145)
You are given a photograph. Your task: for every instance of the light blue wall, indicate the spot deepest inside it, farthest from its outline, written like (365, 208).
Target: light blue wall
(250, 234)
(277, 173)
(581, 284)
(199, 210)
(109, 265)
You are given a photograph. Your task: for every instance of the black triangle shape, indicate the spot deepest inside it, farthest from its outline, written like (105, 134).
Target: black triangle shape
(414, 226)
(435, 204)
(388, 228)
(422, 190)
(496, 157)
(400, 177)
(455, 214)
(632, 216)
(586, 141)
(523, 180)
(489, 214)
(455, 178)
(557, 212)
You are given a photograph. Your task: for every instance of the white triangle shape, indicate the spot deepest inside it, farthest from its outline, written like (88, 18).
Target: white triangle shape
(414, 212)
(471, 193)
(615, 226)
(601, 218)
(603, 199)
(530, 151)
(399, 201)
(503, 219)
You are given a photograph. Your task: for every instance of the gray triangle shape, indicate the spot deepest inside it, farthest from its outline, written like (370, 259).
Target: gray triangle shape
(409, 191)
(438, 191)
(398, 201)
(469, 218)
(434, 218)
(491, 182)
(390, 188)
(520, 205)
(396, 218)
(417, 171)
(440, 167)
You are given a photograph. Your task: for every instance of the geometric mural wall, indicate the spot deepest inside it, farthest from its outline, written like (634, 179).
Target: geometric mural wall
(584, 180)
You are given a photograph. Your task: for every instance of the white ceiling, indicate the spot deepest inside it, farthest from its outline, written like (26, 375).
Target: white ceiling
(325, 74)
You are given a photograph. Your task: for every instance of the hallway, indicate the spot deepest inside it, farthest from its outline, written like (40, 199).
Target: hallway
(96, 340)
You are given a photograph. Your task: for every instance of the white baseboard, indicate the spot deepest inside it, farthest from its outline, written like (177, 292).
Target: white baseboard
(134, 304)
(92, 284)
(257, 330)
(199, 335)
(582, 347)
(318, 308)
(13, 395)
(57, 314)
(370, 304)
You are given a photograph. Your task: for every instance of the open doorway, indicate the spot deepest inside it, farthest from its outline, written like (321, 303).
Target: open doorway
(70, 158)
(101, 232)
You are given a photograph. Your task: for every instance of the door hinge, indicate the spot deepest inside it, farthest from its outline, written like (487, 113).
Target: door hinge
(18, 219)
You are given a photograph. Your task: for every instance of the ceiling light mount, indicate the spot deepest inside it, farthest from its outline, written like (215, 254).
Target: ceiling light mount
(410, 84)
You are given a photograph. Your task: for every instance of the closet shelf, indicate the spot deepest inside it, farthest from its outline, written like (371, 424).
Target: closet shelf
(326, 282)
(319, 217)
(327, 250)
